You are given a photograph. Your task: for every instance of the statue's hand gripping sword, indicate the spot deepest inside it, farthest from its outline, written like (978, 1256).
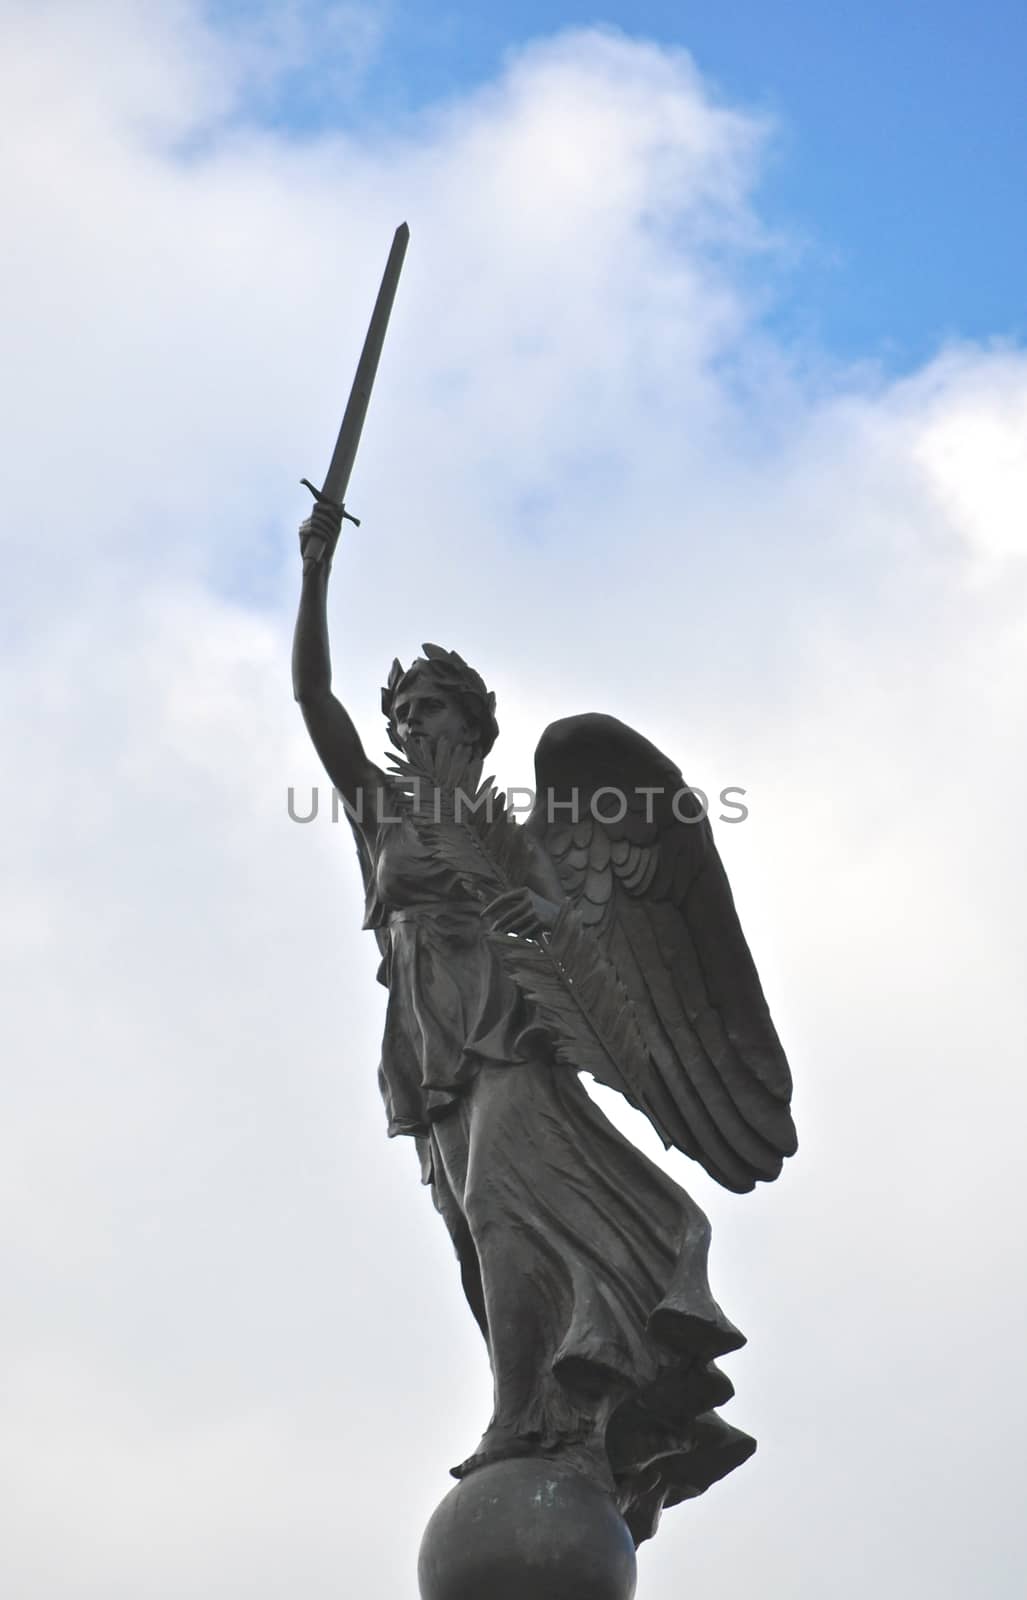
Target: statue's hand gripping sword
(333, 490)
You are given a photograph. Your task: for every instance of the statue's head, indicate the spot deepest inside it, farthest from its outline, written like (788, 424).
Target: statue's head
(440, 696)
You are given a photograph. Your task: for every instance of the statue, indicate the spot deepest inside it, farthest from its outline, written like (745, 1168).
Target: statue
(600, 936)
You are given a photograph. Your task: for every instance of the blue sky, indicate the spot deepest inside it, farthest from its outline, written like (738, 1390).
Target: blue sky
(898, 166)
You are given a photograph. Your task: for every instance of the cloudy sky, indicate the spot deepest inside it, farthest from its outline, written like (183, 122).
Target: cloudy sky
(704, 404)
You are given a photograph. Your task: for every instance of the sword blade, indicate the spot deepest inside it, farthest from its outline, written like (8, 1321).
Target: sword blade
(343, 456)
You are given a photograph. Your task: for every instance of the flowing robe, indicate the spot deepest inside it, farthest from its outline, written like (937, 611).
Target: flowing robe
(584, 1264)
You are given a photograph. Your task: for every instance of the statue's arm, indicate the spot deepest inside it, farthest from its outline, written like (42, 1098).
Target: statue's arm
(329, 724)
(536, 906)
(542, 875)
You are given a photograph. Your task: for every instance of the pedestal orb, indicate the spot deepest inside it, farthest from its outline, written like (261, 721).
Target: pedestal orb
(523, 1528)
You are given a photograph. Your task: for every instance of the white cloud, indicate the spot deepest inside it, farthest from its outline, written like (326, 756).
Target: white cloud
(972, 448)
(237, 1350)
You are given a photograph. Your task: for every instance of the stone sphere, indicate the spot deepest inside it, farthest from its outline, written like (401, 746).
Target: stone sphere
(526, 1528)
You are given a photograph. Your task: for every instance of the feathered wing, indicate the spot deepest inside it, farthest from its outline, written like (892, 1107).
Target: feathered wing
(653, 891)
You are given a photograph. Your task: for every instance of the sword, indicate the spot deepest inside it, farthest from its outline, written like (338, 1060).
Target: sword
(333, 490)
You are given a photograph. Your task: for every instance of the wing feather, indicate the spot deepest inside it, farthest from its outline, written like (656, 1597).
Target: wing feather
(597, 886)
(695, 1049)
(599, 850)
(672, 1101)
(653, 891)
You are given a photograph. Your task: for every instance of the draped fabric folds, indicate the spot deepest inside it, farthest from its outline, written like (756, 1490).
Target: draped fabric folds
(584, 1264)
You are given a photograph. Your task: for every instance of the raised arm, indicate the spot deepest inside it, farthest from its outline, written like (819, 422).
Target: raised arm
(328, 722)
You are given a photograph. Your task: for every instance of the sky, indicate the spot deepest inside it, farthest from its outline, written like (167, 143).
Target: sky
(687, 415)
(896, 168)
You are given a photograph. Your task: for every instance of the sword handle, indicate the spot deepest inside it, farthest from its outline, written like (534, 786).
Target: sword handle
(316, 547)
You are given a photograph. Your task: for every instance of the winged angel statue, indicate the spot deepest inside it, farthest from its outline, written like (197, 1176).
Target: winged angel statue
(598, 937)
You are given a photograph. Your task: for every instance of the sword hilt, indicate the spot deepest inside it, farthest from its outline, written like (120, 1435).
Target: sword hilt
(322, 499)
(316, 547)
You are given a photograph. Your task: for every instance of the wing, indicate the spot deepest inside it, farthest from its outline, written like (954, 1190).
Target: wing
(644, 872)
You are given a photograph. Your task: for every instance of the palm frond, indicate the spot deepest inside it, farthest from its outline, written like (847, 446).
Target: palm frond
(573, 986)
(579, 998)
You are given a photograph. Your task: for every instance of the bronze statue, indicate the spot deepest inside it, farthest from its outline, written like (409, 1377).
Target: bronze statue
(599, 936)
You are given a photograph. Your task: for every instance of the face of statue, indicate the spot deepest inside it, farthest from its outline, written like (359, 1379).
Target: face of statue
(423, 711)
